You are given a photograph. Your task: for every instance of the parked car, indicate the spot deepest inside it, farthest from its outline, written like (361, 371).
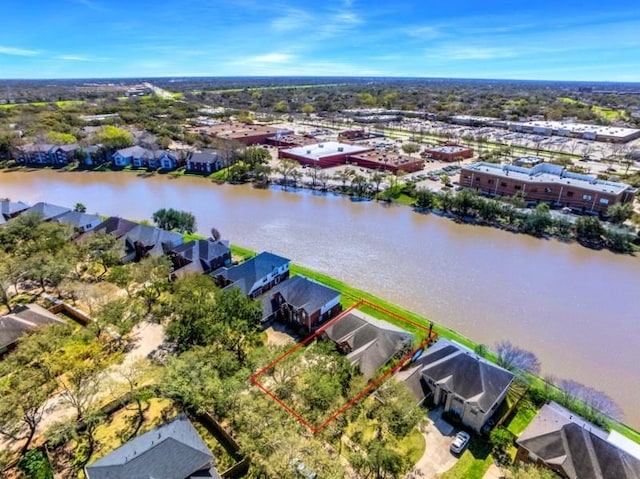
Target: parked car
(460, 442)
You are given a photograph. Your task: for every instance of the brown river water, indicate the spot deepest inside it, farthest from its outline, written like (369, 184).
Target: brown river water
(577, 309)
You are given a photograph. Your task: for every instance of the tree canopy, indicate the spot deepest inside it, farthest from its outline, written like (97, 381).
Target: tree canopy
(170, 219)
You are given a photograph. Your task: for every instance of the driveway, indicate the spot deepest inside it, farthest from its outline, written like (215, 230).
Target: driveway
(436, 458)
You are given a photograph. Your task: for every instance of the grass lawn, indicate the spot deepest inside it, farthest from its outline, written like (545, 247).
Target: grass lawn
(192, 236)
(609, 113)
(523, 415)
(118, 427)
(473, 463)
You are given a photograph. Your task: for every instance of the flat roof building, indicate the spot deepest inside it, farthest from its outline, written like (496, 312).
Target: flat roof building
(384, 160)
(248, 134)
(449, 152)
(585, 131)
(547, 183)
(323, 155)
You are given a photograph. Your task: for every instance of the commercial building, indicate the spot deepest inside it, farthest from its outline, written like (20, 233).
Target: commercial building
(243, 133)
(323, 155)
(613, 134)
(548, 183)
(449, 152)
(384, 160)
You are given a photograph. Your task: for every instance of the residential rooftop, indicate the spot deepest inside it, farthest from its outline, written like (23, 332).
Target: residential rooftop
(549, 173)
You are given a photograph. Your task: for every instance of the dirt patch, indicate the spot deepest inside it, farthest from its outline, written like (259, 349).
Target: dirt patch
(278, 337)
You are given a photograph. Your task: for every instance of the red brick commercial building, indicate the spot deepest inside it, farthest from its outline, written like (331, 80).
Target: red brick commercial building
(290, 141)
(547, 183)
(383, 160)
(243, 132)
(450, 152)
(323, 155)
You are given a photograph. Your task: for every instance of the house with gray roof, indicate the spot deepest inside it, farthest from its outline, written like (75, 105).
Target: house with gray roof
(301, 301)
(174, 450)
(573, 447)
(21, 320)
(205, 161)
(200, 256)
(165, 160)
(135, 156)
(82, 222)
(10, 209)
(254, 276)
(145, 240)
(115, 226)
(459, 380)
(369, 343)
(47, 211)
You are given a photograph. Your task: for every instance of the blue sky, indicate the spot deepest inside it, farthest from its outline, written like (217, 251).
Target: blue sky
(539, 39)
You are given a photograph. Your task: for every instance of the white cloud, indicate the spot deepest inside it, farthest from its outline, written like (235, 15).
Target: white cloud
(270, 58)
(21, 52)
(426, 32)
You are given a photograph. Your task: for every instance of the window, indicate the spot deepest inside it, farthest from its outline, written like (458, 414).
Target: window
(586, 197)
(569, 194)
(503, 183)
(467, 176)
(490, 181)
(517, 187)
(477, 178)
(548, 190)
(604, 201)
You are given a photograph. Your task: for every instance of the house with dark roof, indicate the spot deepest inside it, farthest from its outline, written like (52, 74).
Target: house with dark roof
(165, 160)
(47, 211)
(254, 276)
(200, 256)
(573, 447)
(115, 226)
(138, 241)
(459, 380)
(300, 300)
(34, 154)
(145, 240)
(82, 222)
(10, 209)
(21, 320)
(135, 156)
(369, 343)
(205, 161)
(174, 450)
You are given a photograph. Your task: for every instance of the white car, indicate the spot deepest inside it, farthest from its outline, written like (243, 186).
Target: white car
(460, 442)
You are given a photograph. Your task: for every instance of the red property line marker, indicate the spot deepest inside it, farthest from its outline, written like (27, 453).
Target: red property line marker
(373, 385)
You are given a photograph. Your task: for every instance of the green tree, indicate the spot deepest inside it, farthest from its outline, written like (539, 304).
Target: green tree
(281, 107)
(58, 138)
(287, 168)
(170, 219)
(256, 155)
(190, 311)
(538, 221)
(589, 230)
(308, 109)
(114, 138)
(529, 471)
(425, 198)
(23, 395)
(409, 148)
(501, 439)
(80, 208)
(619, 213)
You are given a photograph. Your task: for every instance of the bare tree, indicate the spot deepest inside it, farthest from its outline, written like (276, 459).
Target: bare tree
(596, 400)
(512, 357)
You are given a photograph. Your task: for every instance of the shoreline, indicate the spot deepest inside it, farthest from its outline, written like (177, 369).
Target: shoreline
(631, 246)
(356, 294)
